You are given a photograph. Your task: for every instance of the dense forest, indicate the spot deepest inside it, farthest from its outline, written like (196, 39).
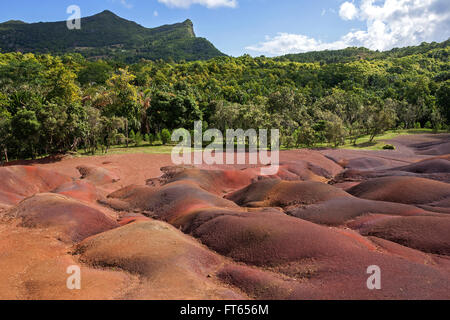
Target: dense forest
(56, 104)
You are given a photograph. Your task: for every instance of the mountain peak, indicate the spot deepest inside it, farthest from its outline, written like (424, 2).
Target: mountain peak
(106, 35)
(14, 22)
(190, 26)
(107, 13)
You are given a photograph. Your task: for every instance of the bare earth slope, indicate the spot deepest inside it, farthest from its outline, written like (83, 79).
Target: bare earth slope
(140, 228)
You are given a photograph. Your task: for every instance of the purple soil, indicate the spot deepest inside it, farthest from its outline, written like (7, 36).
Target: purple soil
(276, 193)
(338, 211)
(437, 148)
(428, 166)
(428, 234)
(319, 262)
(365, 163)
(269, 239)
(408, 190)
(265, 285)
(438, 206)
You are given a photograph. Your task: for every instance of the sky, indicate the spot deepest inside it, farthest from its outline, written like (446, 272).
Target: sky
(268, 27)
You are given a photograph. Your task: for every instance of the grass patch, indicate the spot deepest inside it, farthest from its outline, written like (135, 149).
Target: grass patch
(379, 142)
(122, 149)
(363, 143)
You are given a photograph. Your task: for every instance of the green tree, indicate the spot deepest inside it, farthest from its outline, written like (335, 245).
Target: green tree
(5, 133)
(382, 117)
(443, 99)
(25, 128)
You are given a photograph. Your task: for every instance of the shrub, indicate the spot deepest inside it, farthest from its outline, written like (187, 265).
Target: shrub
(158, 139)
(389, 147)
(138, 139)
(166, 137)
(151, 138)
(132, 135)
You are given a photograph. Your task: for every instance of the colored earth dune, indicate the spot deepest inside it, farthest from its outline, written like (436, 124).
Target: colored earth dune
(140, 228)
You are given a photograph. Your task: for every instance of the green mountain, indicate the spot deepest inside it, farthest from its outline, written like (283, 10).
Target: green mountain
(355, 54)
(105, 35)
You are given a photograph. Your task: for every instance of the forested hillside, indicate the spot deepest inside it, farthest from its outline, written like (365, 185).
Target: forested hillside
(51, 104)
(105, 35)
(355, 54)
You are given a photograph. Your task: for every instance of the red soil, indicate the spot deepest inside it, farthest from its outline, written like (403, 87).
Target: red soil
(80, 190)
(97, 175)
(72, 220)
(20, 182)
(167, 203)
(215, 181)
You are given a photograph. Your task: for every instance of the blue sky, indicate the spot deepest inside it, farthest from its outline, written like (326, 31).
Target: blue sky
(269, 27)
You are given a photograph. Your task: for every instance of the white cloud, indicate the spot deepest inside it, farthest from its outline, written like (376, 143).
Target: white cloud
(389, 24)
(207, 3)
(155, 13)
(348, 11)
(126, 4)
(293, 43)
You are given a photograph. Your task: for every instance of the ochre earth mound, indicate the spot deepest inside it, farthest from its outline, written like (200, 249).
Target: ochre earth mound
(409, 190)
(34, 266)
(276, 193)
(72, 220)
(97, 175)
(172, 265)
(168, 202)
